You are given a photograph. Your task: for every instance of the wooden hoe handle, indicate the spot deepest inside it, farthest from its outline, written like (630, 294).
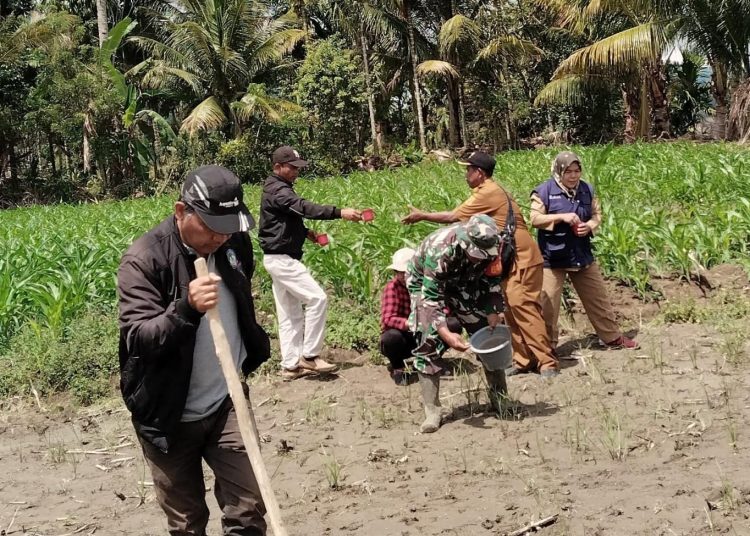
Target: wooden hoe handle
(244, 411)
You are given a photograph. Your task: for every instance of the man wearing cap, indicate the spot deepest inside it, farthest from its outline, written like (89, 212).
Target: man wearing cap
(170, 376)
(457, 268)
(532, 351)
(301, 303)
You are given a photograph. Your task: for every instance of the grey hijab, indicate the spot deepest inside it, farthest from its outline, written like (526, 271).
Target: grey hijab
(561, 163)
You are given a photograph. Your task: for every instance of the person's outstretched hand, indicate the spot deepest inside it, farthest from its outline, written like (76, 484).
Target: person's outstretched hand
(455, 341)
(351, 214)
(414, 216)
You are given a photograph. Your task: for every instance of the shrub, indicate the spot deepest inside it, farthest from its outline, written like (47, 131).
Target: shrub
(331, 88)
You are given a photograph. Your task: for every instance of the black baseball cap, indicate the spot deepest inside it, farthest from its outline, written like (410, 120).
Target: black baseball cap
(480, 160)
(215, 193)
(288, 155)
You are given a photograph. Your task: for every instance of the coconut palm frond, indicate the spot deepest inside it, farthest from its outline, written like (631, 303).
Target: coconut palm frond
(437, 68)
(208, 115)
(48, 32)
(459, 33)
(622, 51)
(276, 46)
(257, 103)
(509, 47)
(571, 89)
(161, 75)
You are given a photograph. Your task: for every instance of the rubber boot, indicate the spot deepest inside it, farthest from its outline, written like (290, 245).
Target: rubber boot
(497, 390)
(430, 385)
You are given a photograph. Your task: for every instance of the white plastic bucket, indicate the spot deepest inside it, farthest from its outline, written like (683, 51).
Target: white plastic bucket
(493, 347)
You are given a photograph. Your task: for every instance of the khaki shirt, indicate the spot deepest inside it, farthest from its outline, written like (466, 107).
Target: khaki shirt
(489, 198)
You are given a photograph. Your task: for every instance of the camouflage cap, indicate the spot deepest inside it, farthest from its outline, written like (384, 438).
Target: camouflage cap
(483, 237)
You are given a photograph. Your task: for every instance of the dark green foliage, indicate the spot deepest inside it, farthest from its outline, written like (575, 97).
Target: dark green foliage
(689, 92)
(331, 89)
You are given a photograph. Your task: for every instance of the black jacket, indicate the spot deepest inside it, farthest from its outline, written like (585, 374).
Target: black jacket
(282, 231)
(158, 326)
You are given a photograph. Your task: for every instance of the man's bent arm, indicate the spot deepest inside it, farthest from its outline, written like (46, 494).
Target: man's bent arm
(150, 329)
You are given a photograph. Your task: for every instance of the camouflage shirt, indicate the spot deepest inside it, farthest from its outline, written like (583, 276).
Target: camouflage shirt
(441, 271)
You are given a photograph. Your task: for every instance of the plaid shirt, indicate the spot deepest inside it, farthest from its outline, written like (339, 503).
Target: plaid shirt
(395, 306)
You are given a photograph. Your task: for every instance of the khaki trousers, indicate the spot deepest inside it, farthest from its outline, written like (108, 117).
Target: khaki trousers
(531, 346)
(589, 285)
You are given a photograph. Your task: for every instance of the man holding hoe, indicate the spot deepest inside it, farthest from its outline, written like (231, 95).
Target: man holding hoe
(532, 351)
(171, 378)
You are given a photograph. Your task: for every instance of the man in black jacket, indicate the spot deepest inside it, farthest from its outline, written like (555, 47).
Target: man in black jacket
(282, 234)
(171, 379)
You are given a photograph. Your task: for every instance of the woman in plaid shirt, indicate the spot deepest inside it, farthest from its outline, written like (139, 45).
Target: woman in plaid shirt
(396, 341)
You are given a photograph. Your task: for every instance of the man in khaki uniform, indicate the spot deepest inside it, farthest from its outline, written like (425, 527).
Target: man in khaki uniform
(531, 346)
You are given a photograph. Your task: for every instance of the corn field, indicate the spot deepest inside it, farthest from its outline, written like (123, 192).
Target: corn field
(669, 209)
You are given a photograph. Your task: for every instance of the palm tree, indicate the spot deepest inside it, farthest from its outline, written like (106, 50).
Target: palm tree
(215, 49)
(363, 24)
(101, 20)
(405, 11)
(629, 40)
(720, 29)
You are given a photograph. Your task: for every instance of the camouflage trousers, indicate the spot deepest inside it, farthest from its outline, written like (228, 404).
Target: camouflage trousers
(427, 357)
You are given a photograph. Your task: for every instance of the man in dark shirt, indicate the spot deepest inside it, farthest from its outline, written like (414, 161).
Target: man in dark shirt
(301, 303)
(170, 376)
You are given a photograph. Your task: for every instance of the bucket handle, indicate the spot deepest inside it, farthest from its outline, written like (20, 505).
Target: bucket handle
(489, 350)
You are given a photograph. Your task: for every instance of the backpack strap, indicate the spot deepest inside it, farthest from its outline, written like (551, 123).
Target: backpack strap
(510, 220)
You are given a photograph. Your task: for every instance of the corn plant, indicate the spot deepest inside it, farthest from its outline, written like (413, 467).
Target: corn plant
(668, 209)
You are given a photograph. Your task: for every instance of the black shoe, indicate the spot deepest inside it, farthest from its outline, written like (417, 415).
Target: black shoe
(401, 377)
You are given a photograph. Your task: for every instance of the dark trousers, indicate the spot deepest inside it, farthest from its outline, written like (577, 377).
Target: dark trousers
(178, 477)
(398, 345)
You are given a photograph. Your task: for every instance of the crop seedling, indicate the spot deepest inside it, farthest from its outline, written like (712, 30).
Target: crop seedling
(319, 409)
(332, 469)
(613, 438)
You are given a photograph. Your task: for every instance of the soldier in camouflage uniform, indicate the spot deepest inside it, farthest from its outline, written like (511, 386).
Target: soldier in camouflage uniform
(456, 267)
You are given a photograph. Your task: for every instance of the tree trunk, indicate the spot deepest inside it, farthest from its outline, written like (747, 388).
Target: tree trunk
(462, 113)
(454, 112)
(51, 149)
(719, 92)
(14, 184)
(417, 92)
(739, 113)
(632, 104)
(101, 20)
(657, 93)
(88, 130)
(370, 96)
(508, 108)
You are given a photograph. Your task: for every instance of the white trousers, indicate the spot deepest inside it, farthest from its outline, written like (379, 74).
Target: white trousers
(301, 331)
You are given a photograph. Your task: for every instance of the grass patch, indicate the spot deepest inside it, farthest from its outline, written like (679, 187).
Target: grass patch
(80, 358)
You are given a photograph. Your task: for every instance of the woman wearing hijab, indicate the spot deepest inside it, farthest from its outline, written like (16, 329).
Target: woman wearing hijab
(567, 213)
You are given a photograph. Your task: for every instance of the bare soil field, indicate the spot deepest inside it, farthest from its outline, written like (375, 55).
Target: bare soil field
(647, 442)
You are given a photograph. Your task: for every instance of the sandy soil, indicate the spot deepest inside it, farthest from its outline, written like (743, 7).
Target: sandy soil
(646, 442)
